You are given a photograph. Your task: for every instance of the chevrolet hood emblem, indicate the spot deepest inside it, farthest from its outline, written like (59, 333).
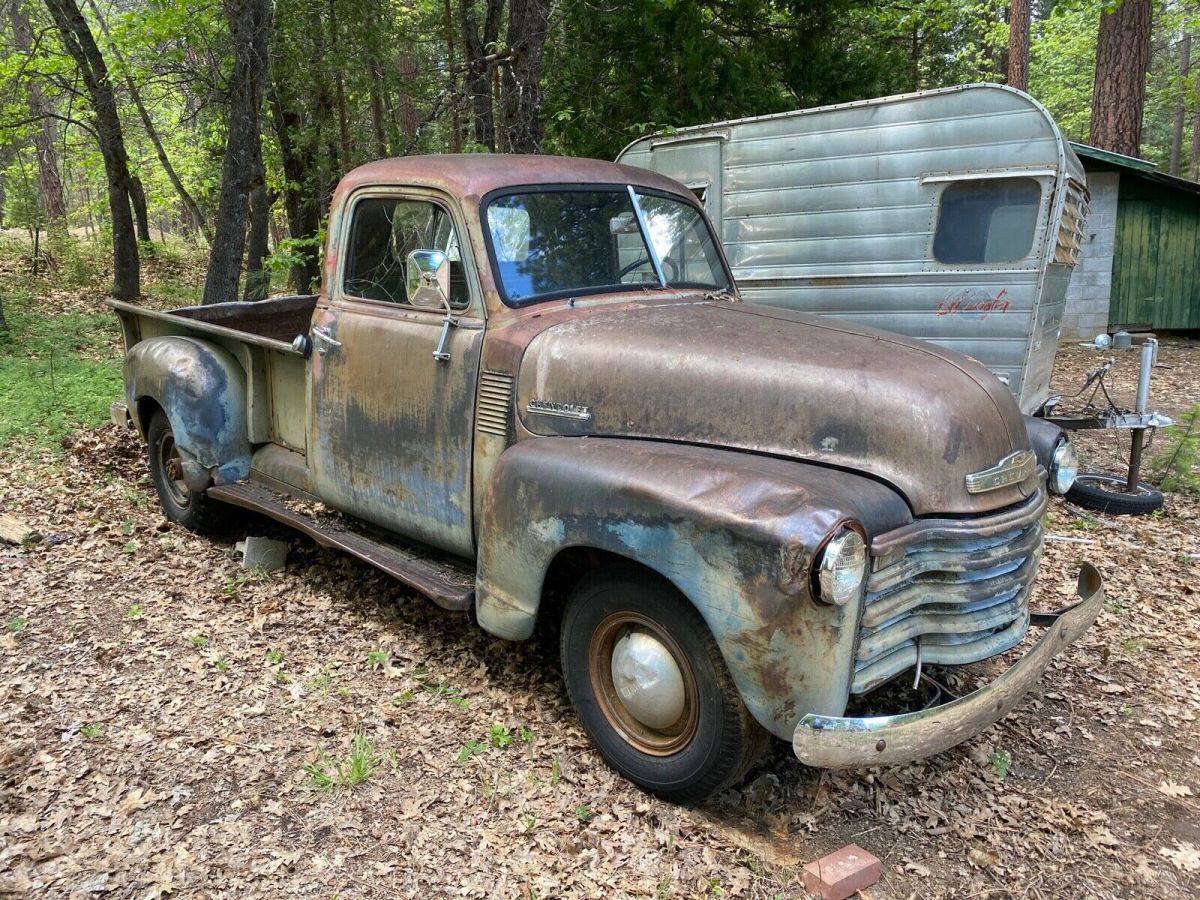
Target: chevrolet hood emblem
(1013, 469)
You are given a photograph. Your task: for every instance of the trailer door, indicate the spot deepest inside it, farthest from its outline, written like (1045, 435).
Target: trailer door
(695, 161)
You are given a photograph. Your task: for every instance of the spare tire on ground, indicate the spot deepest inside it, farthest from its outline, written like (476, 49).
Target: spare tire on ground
(1106, 494)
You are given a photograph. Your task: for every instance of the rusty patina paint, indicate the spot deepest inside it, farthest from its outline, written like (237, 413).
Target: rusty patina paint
(391, 436)
(202, 389)
(735, 533)
(778, 382)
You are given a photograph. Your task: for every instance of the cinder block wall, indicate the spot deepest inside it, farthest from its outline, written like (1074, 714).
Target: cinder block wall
(1090, 290)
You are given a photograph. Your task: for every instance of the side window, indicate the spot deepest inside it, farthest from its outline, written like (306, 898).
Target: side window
(383, 232)
(987, 221)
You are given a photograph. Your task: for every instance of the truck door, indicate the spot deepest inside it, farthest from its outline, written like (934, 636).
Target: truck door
(391, 425)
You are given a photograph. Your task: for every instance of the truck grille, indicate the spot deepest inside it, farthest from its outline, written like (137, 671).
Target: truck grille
(958, 588)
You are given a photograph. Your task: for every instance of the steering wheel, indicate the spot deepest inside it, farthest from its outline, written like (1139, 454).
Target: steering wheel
(642, 260)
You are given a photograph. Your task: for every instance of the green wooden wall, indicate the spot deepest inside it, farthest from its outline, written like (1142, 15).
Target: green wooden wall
(1156, 257)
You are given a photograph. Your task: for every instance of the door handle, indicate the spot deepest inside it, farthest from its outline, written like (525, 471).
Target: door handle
(440, 353)
(323, 339)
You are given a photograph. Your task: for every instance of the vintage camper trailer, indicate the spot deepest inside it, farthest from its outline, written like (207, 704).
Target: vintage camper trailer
(954, 216)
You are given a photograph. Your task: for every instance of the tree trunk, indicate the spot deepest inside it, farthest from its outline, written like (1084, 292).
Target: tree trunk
(452, 64)
(137, 196)
(299, 191)
(479, 87)
(189, 203)
(1194, 156)
(1119, 92)
(521, 78)
(258, 280)
(50, 189)
(1185, 60)
(1018, 45)
(78, 41)
(381, 146)
(249, 25)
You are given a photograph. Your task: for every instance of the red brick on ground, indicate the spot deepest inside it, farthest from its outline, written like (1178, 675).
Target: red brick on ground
(841, 873)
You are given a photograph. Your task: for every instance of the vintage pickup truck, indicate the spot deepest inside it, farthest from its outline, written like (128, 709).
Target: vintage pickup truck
(529, 388)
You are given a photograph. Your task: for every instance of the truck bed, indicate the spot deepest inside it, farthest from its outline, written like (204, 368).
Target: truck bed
(270, 323)
(259, 335)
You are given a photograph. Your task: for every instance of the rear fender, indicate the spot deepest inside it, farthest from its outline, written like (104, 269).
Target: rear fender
(736, 533)
(202, 390)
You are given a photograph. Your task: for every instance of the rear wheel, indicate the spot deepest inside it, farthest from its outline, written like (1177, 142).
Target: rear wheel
(651, 688)
(191, 509)
(1106, 494)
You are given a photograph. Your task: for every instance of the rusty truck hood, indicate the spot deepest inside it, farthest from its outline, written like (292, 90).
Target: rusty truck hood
(778, 382)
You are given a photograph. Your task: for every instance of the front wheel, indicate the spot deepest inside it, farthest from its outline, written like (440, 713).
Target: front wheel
(651, 688)
(191, 509)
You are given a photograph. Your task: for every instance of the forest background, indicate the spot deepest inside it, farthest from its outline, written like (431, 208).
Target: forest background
(144, 126)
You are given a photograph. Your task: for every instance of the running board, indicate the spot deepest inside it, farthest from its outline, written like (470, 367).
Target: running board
(447, 582)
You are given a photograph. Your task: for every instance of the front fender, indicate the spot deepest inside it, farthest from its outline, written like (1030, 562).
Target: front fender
(202, 390)
(735, 532)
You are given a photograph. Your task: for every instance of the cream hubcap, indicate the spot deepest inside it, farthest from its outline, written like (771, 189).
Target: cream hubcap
(648, 680)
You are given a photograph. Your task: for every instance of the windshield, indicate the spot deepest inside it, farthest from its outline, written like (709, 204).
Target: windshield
(569, 242)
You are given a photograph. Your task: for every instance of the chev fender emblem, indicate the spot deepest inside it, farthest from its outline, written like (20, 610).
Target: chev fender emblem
(1013, 469)
(561, 410)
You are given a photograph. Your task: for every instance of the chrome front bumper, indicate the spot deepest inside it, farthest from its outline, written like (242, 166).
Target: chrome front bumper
(832, 742)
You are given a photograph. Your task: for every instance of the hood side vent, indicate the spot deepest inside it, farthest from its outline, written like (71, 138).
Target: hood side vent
(495, 401)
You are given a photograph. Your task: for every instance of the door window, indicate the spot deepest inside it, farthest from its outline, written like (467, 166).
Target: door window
(988, 221)
(383, 232)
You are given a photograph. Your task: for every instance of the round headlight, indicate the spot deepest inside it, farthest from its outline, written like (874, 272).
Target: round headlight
(1064, 466)
(842, 568)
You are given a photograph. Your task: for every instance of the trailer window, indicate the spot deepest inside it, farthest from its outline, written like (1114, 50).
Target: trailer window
(990, 221)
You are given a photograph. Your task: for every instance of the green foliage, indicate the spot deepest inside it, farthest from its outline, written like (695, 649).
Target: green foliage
(500, 736)
(1001, 763)
(469, 749)
(320, 684)
(57, 373)
(1062, 62)
(1175, 468)
(354, 768)
(273, 657)
(621, 70)
(16, 624)
(92, 731)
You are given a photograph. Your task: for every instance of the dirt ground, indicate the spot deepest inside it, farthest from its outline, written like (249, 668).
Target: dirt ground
(159, 707)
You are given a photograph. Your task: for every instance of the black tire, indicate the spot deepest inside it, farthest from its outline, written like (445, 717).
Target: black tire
(1106, 494)
(714, 740)
(193, 510)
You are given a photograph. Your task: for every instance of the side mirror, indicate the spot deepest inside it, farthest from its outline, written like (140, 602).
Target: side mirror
(427, 277)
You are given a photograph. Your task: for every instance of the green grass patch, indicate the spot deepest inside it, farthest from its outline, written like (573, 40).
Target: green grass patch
(57, 374)
(352, 769)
